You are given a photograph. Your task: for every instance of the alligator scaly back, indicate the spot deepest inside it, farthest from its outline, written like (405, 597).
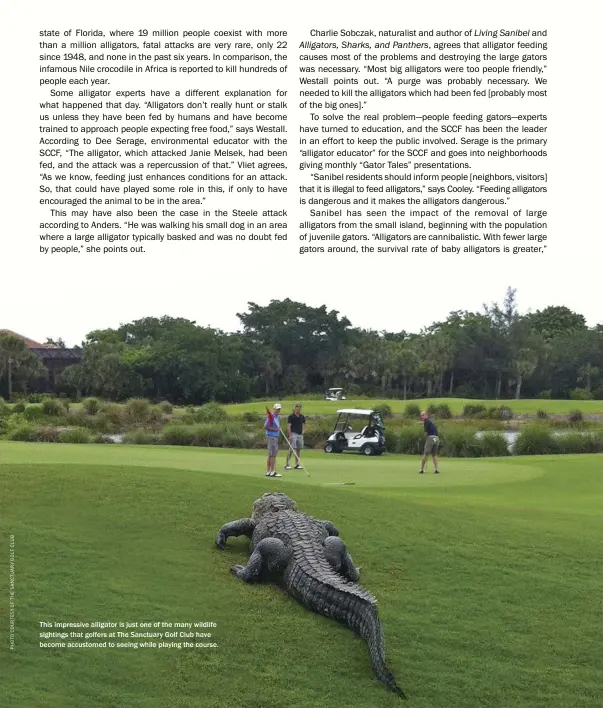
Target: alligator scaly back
(315, 566)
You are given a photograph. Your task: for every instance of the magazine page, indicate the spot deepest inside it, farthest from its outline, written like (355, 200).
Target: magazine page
(301, 355)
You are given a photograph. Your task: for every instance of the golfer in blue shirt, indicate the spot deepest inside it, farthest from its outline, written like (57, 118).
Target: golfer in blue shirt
(272, 426)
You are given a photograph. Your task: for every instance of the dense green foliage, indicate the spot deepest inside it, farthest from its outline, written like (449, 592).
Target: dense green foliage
(139, 422)
(289, 348)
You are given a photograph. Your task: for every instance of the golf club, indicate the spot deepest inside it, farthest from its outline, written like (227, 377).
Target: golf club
(295, 453)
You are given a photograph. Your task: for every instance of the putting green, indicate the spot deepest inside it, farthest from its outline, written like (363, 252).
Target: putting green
(389, 471)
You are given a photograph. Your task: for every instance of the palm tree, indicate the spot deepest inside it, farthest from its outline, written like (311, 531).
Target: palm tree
(18, 363)
(524, 365)
(405, 362)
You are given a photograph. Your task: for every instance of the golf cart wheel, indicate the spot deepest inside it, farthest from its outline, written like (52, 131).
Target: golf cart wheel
(329, 447)
(368, 450)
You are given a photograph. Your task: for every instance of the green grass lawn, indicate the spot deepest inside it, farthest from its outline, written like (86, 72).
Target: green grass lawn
(488, 579)
(322, 407)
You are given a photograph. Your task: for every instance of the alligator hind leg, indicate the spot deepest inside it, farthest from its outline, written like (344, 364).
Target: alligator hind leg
(330, 528)
(269, 555)
(340, 559)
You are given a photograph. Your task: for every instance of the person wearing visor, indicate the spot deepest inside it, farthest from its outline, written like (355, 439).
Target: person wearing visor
(272, 426)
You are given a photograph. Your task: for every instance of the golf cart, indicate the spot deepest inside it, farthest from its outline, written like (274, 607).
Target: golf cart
(357, 430)
(334, 394)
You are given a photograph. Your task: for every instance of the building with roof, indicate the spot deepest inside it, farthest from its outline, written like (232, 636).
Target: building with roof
(55, 359)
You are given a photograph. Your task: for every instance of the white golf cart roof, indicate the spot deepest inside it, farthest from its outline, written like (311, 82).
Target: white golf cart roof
(356, 411)
(334, 389)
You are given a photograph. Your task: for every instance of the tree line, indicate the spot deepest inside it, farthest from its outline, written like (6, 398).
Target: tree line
(287, 348)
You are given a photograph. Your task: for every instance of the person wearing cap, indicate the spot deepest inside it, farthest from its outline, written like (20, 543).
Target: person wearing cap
(273, 430)
(431, 443)
(296, 427)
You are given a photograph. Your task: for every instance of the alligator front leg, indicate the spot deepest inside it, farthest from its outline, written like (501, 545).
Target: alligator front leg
(242, 527)
(269, 555)
(339, 558)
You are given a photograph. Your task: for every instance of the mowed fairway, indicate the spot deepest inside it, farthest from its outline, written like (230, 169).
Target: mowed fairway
(488, 579)
(523, 406)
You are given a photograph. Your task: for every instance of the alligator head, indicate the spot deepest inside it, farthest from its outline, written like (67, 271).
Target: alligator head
(270, 503)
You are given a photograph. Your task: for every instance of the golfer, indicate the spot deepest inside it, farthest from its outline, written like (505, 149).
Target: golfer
(273, 430)
(431, 443)
(296, 427)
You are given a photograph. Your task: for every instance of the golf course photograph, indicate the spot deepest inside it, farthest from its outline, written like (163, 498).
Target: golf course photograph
(304, 513)
(487, 576)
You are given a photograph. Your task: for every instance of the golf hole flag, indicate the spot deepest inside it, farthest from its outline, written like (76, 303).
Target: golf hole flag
(270, 417)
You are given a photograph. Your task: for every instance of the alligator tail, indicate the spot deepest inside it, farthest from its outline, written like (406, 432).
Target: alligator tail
(349, 604)
(369, 629)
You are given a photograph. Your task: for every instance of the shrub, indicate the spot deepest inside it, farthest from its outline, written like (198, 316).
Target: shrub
(494, 445)
(53, 407)
(113, 413)
(166, 407)
(12, 422)
(542, 414)
(500, 413)
(75, 436)
(25, 432)
(252, 417)
(34, 411)
(211, 413)
(177, 435)
(575, 443)
(155, 415)
(47, 434)
(19, 407)
(545, 394)
(101, 439)
(91, 406)
(392, 439)
(410, 441)
(536, 440)
(412, 410)
(461, 442)
(474, 410)
(397, 423)
(207, 435)
(77, 418)
(442, 410)
(140, 437)
(575, 417)
(581, 394)
(232, 437)
(384, 410)
(38, 397)
(318, 430)
(137, 410)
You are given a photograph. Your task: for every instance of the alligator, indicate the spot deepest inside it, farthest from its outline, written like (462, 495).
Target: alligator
(307, 556)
